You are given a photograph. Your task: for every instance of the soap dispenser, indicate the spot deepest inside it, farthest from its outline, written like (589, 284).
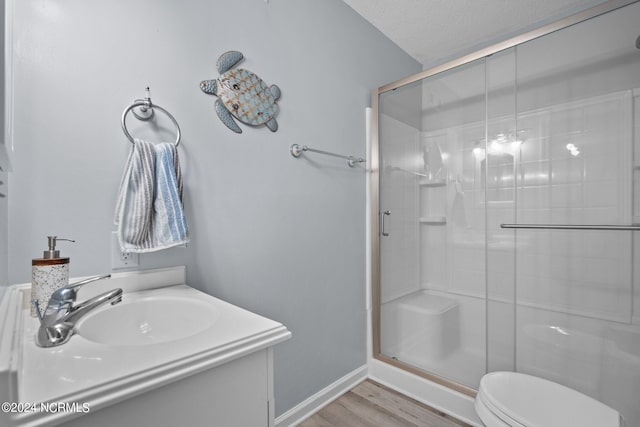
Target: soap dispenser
(48, 274)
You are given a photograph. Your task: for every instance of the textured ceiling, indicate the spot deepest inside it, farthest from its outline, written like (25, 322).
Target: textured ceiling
(436, 30)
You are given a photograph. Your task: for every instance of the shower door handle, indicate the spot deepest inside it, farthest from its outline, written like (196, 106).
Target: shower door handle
(385, 213)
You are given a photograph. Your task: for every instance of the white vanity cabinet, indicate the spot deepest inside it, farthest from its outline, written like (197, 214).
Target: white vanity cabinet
(167, 355)
(236, 394)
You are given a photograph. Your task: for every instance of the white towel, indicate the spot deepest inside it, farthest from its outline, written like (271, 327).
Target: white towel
(149, 213)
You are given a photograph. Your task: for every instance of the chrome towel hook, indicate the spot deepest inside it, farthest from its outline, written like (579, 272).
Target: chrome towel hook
(144, 112)
(143, 109)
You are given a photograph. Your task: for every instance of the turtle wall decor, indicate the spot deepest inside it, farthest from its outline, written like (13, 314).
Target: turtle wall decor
(242, 94)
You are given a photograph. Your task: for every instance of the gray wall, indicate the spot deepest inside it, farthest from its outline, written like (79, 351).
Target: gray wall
(279, 236)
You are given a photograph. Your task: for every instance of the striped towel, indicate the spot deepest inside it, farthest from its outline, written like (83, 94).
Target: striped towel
(149, 213)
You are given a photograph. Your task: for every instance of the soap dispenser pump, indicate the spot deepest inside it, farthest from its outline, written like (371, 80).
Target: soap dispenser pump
(48, 274)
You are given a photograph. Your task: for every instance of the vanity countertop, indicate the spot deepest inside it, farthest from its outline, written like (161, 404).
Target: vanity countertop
(96, 374)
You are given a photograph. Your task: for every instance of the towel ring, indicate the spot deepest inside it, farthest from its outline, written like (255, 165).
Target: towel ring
(146, 103)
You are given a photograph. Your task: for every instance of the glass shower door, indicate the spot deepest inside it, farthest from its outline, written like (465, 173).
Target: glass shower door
(432, 226)
(576, 323)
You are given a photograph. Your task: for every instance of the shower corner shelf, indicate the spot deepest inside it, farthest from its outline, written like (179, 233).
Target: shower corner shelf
(433, 183)
(433, 220)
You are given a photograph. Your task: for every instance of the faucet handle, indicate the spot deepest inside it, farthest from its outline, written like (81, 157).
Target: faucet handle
(67, 294)
(86, 281)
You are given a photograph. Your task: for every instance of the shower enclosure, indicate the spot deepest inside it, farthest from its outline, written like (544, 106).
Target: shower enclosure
(543, 130)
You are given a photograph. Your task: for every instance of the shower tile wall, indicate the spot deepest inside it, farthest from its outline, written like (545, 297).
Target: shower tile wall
(570, 284)
(566, 175)
(580, 273)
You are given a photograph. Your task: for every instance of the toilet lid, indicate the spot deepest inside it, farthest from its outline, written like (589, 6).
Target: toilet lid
(525, 400)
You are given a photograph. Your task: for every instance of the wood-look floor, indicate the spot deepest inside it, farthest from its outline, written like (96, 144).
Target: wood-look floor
(370, 404)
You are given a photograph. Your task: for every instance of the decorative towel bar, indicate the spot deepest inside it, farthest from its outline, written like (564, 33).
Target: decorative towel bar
(631, 227)
(143, 109)
(297, 150)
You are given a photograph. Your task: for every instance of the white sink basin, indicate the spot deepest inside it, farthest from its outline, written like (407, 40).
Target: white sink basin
(149, 320)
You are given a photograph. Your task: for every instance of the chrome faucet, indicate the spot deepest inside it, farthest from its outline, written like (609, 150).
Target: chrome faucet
(58, 322)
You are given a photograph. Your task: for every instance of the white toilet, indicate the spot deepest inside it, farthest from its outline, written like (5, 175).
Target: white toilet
(511, 399)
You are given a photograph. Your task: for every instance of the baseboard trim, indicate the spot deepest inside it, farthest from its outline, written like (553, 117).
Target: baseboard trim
(313, 404)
